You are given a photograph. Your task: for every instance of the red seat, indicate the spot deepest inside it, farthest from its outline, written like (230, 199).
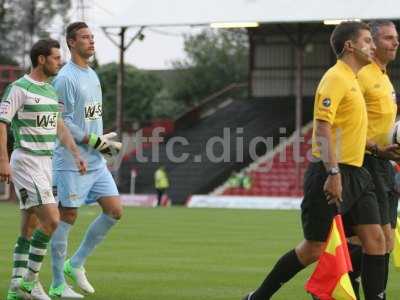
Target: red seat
(278, 177)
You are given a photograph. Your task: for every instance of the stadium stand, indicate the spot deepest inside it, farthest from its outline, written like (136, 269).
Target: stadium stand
(258, 118)
(8, 74)
(276, 173)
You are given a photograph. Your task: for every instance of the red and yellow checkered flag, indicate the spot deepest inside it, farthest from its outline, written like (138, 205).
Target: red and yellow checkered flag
(330, 280)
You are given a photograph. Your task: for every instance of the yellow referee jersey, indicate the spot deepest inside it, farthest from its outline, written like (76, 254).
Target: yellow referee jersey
(339, 101)
(380, 98)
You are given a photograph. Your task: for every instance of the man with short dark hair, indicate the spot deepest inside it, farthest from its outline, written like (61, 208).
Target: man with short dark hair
(31, 105)
(79, 87)
(380, 98)
(336, 175)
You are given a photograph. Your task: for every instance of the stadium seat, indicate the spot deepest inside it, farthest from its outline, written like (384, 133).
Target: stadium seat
(276, 177)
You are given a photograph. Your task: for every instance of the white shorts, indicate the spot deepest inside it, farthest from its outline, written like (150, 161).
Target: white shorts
(32, 178)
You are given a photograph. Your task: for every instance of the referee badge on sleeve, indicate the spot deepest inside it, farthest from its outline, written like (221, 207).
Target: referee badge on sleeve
(326, 102)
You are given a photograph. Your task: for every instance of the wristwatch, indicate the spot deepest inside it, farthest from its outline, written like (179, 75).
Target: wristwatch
(333, 171)
(374, 150)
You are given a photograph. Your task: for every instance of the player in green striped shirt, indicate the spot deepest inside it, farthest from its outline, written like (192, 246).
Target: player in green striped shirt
(31, 106)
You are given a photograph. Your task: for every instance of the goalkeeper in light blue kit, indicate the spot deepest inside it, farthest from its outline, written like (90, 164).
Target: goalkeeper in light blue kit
(79, 88)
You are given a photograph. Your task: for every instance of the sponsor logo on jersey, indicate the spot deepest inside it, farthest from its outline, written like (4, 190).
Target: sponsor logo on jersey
(93, 111)
(46, 121)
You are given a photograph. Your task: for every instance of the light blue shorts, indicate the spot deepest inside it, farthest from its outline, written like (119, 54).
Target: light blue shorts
(74, 190)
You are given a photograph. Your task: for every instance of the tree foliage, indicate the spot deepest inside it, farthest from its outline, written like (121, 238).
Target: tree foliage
(215, 59)
(140, 91)
(23, 21)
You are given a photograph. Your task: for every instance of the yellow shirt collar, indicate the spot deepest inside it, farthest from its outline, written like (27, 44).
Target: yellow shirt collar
(345, 68)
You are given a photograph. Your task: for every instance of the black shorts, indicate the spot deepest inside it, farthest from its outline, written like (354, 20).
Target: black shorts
(359, 204)
(382, 173)
(393, 199)
(393, 206)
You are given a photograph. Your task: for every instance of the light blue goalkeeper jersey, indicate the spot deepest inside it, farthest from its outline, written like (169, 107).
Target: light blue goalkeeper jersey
(79, 91)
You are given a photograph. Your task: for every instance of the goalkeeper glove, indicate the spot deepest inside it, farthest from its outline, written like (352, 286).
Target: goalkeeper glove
(104, 144)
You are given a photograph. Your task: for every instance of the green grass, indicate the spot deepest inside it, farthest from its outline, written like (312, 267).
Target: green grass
(180, 253)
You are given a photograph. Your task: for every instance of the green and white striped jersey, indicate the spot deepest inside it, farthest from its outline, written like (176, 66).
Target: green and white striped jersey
(32, 108)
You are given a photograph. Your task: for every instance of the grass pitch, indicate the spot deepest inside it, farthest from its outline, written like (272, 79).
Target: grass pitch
(180, 253)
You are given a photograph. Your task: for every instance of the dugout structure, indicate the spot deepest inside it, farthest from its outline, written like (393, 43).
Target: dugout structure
(279, 52)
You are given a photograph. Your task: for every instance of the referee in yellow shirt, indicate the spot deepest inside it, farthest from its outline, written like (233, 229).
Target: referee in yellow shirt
(336, 175)
(380, 98)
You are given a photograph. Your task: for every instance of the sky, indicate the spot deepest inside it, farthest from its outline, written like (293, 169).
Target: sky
(163, 45)
(158, 49)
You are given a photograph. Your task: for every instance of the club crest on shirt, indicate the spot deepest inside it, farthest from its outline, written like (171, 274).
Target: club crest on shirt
(93, 111)
(326, 102)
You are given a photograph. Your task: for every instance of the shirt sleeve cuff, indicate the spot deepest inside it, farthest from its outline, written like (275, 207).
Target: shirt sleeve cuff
(324, 118)
(3, 120)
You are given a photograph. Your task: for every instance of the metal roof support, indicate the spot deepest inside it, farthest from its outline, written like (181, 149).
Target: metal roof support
(299, 42)
(122, 46)
(299, 100)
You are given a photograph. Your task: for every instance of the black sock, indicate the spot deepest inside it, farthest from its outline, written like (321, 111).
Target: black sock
(356, 257)
(387, 259)
(285, 268)
(373, 276)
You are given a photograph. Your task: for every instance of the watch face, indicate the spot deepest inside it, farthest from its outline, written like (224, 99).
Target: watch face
(334, 170)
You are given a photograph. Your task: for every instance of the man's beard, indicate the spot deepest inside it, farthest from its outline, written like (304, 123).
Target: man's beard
(47, 72)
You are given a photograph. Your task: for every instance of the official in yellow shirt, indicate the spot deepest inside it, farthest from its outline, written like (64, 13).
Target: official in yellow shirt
(380, 99)
(339, 101)
(337, 175)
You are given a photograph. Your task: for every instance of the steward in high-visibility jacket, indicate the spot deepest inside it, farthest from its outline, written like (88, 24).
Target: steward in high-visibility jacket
(161, 183)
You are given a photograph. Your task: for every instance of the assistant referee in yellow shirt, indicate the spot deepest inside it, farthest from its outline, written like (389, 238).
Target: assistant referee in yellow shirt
(380, 99)
(336, 175)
